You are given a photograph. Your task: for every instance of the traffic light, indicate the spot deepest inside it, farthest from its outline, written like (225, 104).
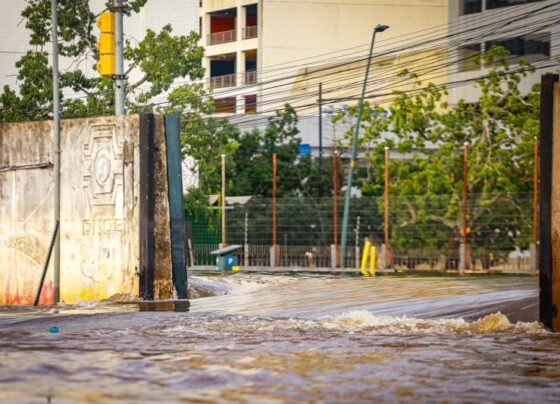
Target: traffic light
(106, 44)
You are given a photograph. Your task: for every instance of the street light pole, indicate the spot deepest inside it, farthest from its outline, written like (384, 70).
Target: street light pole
(56, 146)
(344, 237)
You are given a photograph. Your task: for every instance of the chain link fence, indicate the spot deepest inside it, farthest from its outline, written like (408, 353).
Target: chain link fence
(425, 232)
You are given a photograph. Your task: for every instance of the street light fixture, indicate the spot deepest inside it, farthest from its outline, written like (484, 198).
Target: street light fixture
(378, 28)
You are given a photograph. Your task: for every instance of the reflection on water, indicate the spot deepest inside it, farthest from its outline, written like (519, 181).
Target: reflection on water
(274, 338)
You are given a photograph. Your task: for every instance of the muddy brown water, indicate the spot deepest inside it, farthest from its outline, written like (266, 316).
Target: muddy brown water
(265, 338)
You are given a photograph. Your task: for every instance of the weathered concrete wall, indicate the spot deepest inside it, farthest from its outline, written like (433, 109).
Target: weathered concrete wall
(99, 226)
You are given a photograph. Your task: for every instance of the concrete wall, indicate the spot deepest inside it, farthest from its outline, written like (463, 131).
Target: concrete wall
(99, 227)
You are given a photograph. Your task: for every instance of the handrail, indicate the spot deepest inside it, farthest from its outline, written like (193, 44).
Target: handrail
(226, 80)
(250, 32)
(250, 77)
(221, 37)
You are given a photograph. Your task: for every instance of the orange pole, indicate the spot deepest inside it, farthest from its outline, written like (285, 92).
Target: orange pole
(335, 204)
(388, 257)
(536, 192)
(387, 198)
(465, 190)
(274, 202)
(223, 200)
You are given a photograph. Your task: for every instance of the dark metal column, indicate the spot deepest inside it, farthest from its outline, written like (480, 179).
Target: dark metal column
(545, 193)
(176, 205)
(147, 207)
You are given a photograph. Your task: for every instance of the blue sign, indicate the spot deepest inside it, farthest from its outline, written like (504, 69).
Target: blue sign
(304, 149)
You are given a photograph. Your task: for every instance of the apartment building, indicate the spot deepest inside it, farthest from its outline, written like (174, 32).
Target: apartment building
(261, 54)
(528, 29)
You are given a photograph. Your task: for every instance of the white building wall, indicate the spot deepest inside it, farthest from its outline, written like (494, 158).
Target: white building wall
(492, 26)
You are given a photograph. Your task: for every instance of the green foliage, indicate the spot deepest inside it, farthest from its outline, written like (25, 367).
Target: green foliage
(426, 181)
(93, 94)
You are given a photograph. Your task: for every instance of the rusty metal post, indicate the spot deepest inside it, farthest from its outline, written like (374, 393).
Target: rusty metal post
(533, 248)
(387, 252)
(464, 262)
(335, 207)
(274, 241)
(223, 201)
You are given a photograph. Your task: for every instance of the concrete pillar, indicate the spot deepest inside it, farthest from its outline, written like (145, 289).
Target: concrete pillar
(533, 257)
(272, 257)
(241, 22)
(333, 256)
(464, 257)
(358, 257)
(240, 80)
(246, 255)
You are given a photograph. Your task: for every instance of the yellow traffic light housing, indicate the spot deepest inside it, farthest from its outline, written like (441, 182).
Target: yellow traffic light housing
(106, 44)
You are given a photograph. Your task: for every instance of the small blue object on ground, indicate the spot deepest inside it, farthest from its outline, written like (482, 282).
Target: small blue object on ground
(54, 329)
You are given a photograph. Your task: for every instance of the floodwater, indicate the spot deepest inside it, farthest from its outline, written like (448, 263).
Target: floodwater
(270, 338)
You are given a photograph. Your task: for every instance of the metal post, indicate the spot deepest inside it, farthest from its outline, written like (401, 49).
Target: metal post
(320, 140)
(246, 245)
(335, 206)
(119, 62)
(357, 243)
(547, 311)
(533, 247)
(378, 28)
(388, 260)
(274, 204)
(56, 129)
(223, 200)
(464, 261)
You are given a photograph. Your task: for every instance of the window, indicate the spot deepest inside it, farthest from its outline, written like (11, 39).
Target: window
(469, 57)
(491, 4)
(225, 105)
(251, 104)
(470, 6)
(533, 47)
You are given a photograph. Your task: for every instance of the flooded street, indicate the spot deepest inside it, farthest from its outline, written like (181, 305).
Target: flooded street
(278, 338)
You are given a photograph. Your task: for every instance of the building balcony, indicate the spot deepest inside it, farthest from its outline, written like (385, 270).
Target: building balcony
(222, 37)
(227, 80)
(251, 77)
(250, 32)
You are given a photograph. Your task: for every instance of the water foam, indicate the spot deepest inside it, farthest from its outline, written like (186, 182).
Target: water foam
(491, 323)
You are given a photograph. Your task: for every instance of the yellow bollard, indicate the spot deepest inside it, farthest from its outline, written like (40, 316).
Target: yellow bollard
(365, 257)
(372, 261)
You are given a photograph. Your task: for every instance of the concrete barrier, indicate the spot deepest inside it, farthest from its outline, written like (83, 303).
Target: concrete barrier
(104, 255)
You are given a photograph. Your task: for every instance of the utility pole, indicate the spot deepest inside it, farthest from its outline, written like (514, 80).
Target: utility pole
(274, 240)
(335, 205)
(388, 260)
(378, 28)
(56, 129)
(464, 253)
(223, 199)
(320, 140)
(534, 244)
(119, 62)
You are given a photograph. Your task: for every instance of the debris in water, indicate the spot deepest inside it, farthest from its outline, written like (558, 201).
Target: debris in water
(54, 329)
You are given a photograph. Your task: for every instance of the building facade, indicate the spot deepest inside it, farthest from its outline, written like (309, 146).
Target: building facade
(261, 54)
(528, 29)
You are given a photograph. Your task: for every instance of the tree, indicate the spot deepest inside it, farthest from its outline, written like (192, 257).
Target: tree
(93, 95)
(426, 183)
